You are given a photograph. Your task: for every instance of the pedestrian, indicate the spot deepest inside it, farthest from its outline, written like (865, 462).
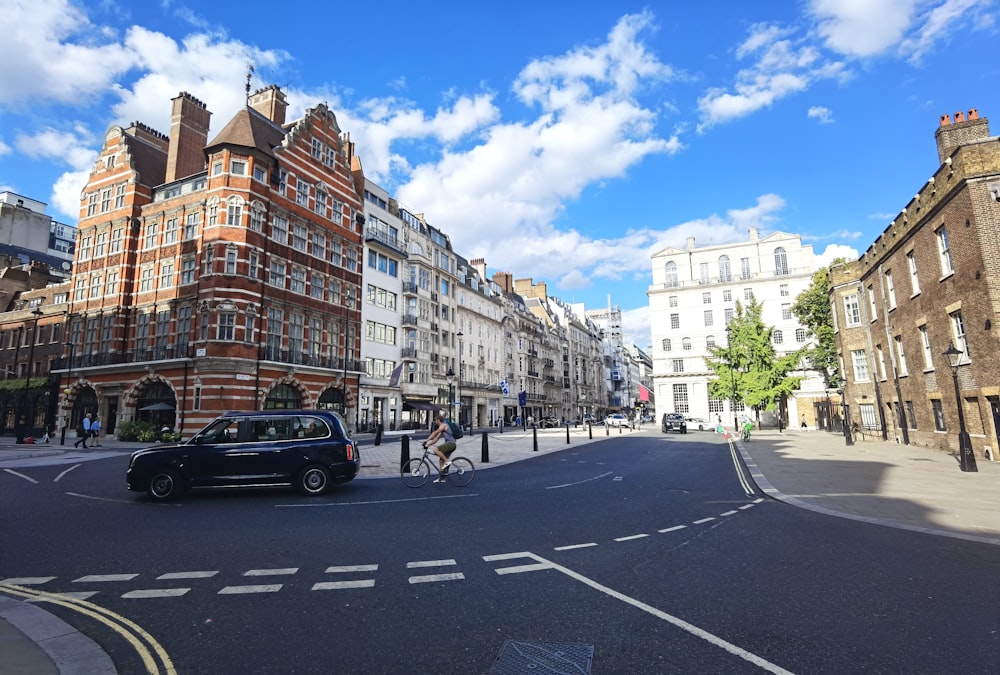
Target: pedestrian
(804, 425)
(82, 431)
(45, 436)
(95, 431)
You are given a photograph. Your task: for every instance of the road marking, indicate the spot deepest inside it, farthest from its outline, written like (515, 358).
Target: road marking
(57, 478)
(376, 501)
(747, 506)
(631, 537)
(156, 593)
(185, 575)
(673, 529)
(351, 568)
(673, 620)
(101, 578)
(240, 590)
(729, 513)
(27, 581)
(429, 563)
(581, 482)
(757, 501)
(573, 546)
(522, 568)
(429, 578)
(280, 571)
(105, 499)
(145, 645)
(703, 521)
(21, 475)
(337, 585)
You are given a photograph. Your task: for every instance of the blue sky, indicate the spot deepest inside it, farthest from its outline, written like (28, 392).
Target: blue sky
(563, 141)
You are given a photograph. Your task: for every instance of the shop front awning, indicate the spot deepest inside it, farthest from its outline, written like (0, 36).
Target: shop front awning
(420, 405)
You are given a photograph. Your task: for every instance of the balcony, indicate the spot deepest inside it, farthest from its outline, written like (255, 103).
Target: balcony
(408, 320)
(384, 238)
(408, 353)
(409, 288)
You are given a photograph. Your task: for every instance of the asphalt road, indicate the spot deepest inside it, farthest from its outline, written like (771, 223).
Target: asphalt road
(634, 555)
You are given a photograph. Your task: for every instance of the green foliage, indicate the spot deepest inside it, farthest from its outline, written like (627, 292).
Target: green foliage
(140, 431)
(812, 308)
(748, 369)
(18, 384)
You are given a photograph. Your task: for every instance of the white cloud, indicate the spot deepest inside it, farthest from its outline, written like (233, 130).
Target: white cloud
(66, 192)
(4, 148)
(938, 23)
(824, 115)
(75, 148)
(635, 327)
(862, 28)
(834, 251)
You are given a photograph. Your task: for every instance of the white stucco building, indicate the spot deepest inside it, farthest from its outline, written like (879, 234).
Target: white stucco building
(692, 298)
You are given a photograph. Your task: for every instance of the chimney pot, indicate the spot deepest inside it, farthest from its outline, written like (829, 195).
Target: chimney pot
(945, 120)
(959, 117)
(973, 114)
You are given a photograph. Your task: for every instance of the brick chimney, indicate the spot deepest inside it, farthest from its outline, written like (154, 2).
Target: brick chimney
(951, 135)
(505, 280)
(189, 121)
(270, 102)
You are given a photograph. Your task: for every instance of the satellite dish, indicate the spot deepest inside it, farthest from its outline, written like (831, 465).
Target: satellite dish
(66, 266)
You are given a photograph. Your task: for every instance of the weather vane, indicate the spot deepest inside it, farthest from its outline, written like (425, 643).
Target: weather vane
(249, 75)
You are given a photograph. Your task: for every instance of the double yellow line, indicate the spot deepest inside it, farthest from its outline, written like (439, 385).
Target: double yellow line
(153, 656)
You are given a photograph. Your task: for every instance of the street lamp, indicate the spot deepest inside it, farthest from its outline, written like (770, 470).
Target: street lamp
(348, 302)
(69, 378)
(967, 457)
(451, 388)
(732, 373)
(458, 398)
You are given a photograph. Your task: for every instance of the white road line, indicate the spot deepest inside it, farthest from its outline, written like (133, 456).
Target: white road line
(281, 571)
(522, 568)
(57, 478)
(631, 537)
(746, 506)
(21, 475)
(703, 521)
(757, 501)
(105, 499)
(240, 590)
(26, 581)
(338, 585)
(729, 513)
(507, 556)
(429, 563)
(673, 529)
(105, 577)
(156, 593)
(351, 568)
(185, 575)
(466, 495)
(76, 595)
(673, 620)
(580, 482)
(429, 578)
(574, 546)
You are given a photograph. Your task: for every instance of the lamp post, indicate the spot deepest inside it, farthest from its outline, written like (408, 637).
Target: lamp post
(451, 388)
(348, 302)
(69, 377)
(732, 373)
(967, 458)
(458, 397)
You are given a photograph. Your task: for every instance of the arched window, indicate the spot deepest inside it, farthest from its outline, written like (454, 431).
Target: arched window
(686, 344)
(666, 344)
(234, 211)
(283, 397)
(710, 341)
(780, 262)
(671, 270)
(725, 272)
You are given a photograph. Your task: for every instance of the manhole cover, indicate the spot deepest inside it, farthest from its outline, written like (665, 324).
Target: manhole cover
(517, 657)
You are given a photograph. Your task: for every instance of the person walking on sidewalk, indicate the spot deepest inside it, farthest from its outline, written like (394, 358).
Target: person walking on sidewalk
(83, 431)
(95, 431)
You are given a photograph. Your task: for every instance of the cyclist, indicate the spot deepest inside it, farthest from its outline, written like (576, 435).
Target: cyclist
(747, 426)
(444, 450)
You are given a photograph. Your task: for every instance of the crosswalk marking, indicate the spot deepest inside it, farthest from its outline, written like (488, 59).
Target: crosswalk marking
(27, 581)
(338, 585)
(239, 590)
(429, 563)
(351, 568)
(100, 578)
(157, 593)
(186, 575)
(429, 578)
(274, 572)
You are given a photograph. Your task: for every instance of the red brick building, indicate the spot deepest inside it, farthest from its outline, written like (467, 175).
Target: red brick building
(931, 280)
(218, 274)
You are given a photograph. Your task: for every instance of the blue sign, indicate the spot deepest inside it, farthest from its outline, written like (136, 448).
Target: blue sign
(522, 399)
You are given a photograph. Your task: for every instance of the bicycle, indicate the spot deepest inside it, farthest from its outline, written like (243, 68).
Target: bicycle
(745, 435)
(416, 471)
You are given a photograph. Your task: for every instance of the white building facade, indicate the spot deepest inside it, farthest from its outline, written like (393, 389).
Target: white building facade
(692, 299)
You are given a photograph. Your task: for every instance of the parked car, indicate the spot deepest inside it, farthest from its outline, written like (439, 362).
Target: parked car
(547, 422)
(699, 423)
(307, 449)
(588, 419)
(673, 422)
(616, 420)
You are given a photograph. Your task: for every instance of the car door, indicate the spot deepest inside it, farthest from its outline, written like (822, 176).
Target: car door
(219, 454)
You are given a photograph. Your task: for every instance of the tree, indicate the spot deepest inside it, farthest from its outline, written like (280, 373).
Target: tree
(748, 369)
(812, 308)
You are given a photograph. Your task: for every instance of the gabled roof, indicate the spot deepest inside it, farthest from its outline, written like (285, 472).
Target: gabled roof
(249, 129)
(149, 161)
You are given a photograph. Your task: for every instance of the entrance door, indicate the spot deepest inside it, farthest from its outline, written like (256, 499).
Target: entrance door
(995, 407)
(112, 416)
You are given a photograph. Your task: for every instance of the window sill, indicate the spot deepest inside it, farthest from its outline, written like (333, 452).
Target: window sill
(946, 276)
(915, 295)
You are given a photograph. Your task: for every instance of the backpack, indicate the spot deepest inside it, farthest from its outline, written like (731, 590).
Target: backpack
(456, 431)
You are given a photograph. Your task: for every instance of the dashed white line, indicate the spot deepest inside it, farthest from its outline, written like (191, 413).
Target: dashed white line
(580, 482)
(21, 475)
(240, 590)
(729, 513)
(101, 578)
(673, 529)
(746, 506)
(574, 546)
(281, 571)
(156, 593)
(704, 520)
(338, 585)
(57, 478)
(27, 581)
(351, 568)
(757, 501)
(186, 575)
(429, 578)
(631, 537)
(429, 563)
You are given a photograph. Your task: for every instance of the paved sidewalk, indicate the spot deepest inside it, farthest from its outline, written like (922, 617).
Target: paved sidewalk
(898, 486)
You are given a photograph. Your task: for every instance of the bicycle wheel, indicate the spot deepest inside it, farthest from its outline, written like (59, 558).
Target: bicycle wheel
(461, 472)
(415, 472)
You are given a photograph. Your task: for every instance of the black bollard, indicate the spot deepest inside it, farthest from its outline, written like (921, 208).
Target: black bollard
(619, 430)
(378, 435)
(590, 430)
(607, 429)
(404, 451)
(534, 439)
(567, 433)
(486, 448)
